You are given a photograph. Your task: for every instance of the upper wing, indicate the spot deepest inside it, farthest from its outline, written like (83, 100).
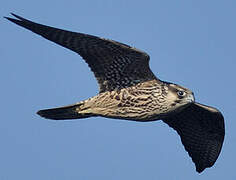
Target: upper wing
(202, 131)
(114, 64)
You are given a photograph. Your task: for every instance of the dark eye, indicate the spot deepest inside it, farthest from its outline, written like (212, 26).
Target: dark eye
(181, 93)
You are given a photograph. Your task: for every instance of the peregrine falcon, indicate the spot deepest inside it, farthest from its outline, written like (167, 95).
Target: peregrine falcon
(129, 90)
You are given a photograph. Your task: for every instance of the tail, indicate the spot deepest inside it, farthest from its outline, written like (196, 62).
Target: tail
(66, 112)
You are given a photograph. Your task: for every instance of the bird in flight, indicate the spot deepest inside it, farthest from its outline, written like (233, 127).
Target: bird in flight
(129, 90)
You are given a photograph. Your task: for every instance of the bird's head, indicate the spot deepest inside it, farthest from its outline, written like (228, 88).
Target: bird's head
(178, 97)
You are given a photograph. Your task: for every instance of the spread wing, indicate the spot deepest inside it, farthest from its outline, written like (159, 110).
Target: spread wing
(202, 131)
(115, 65)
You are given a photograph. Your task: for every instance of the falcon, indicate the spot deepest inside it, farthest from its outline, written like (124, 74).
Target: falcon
(129, 90)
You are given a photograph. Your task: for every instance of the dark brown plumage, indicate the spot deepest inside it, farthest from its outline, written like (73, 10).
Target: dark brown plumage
(129, 90)
(200, 127)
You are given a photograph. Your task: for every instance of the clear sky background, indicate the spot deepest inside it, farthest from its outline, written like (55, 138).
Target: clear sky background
(191, 43)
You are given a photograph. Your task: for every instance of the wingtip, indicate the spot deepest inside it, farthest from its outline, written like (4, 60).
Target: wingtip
(13, 14)
(16, 16)
(11, 19)
(199, 170)
(7, 17)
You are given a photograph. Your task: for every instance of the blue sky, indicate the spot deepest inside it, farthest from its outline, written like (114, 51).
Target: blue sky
(191, 43)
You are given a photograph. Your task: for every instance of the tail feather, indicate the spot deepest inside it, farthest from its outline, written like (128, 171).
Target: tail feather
(63, 113)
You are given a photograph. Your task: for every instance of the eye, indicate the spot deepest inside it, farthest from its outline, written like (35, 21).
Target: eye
(181, 93)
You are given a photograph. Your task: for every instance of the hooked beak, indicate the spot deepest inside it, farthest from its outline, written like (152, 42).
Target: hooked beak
(191, 98)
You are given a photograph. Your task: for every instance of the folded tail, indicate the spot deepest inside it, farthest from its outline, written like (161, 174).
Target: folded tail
(65, 112)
